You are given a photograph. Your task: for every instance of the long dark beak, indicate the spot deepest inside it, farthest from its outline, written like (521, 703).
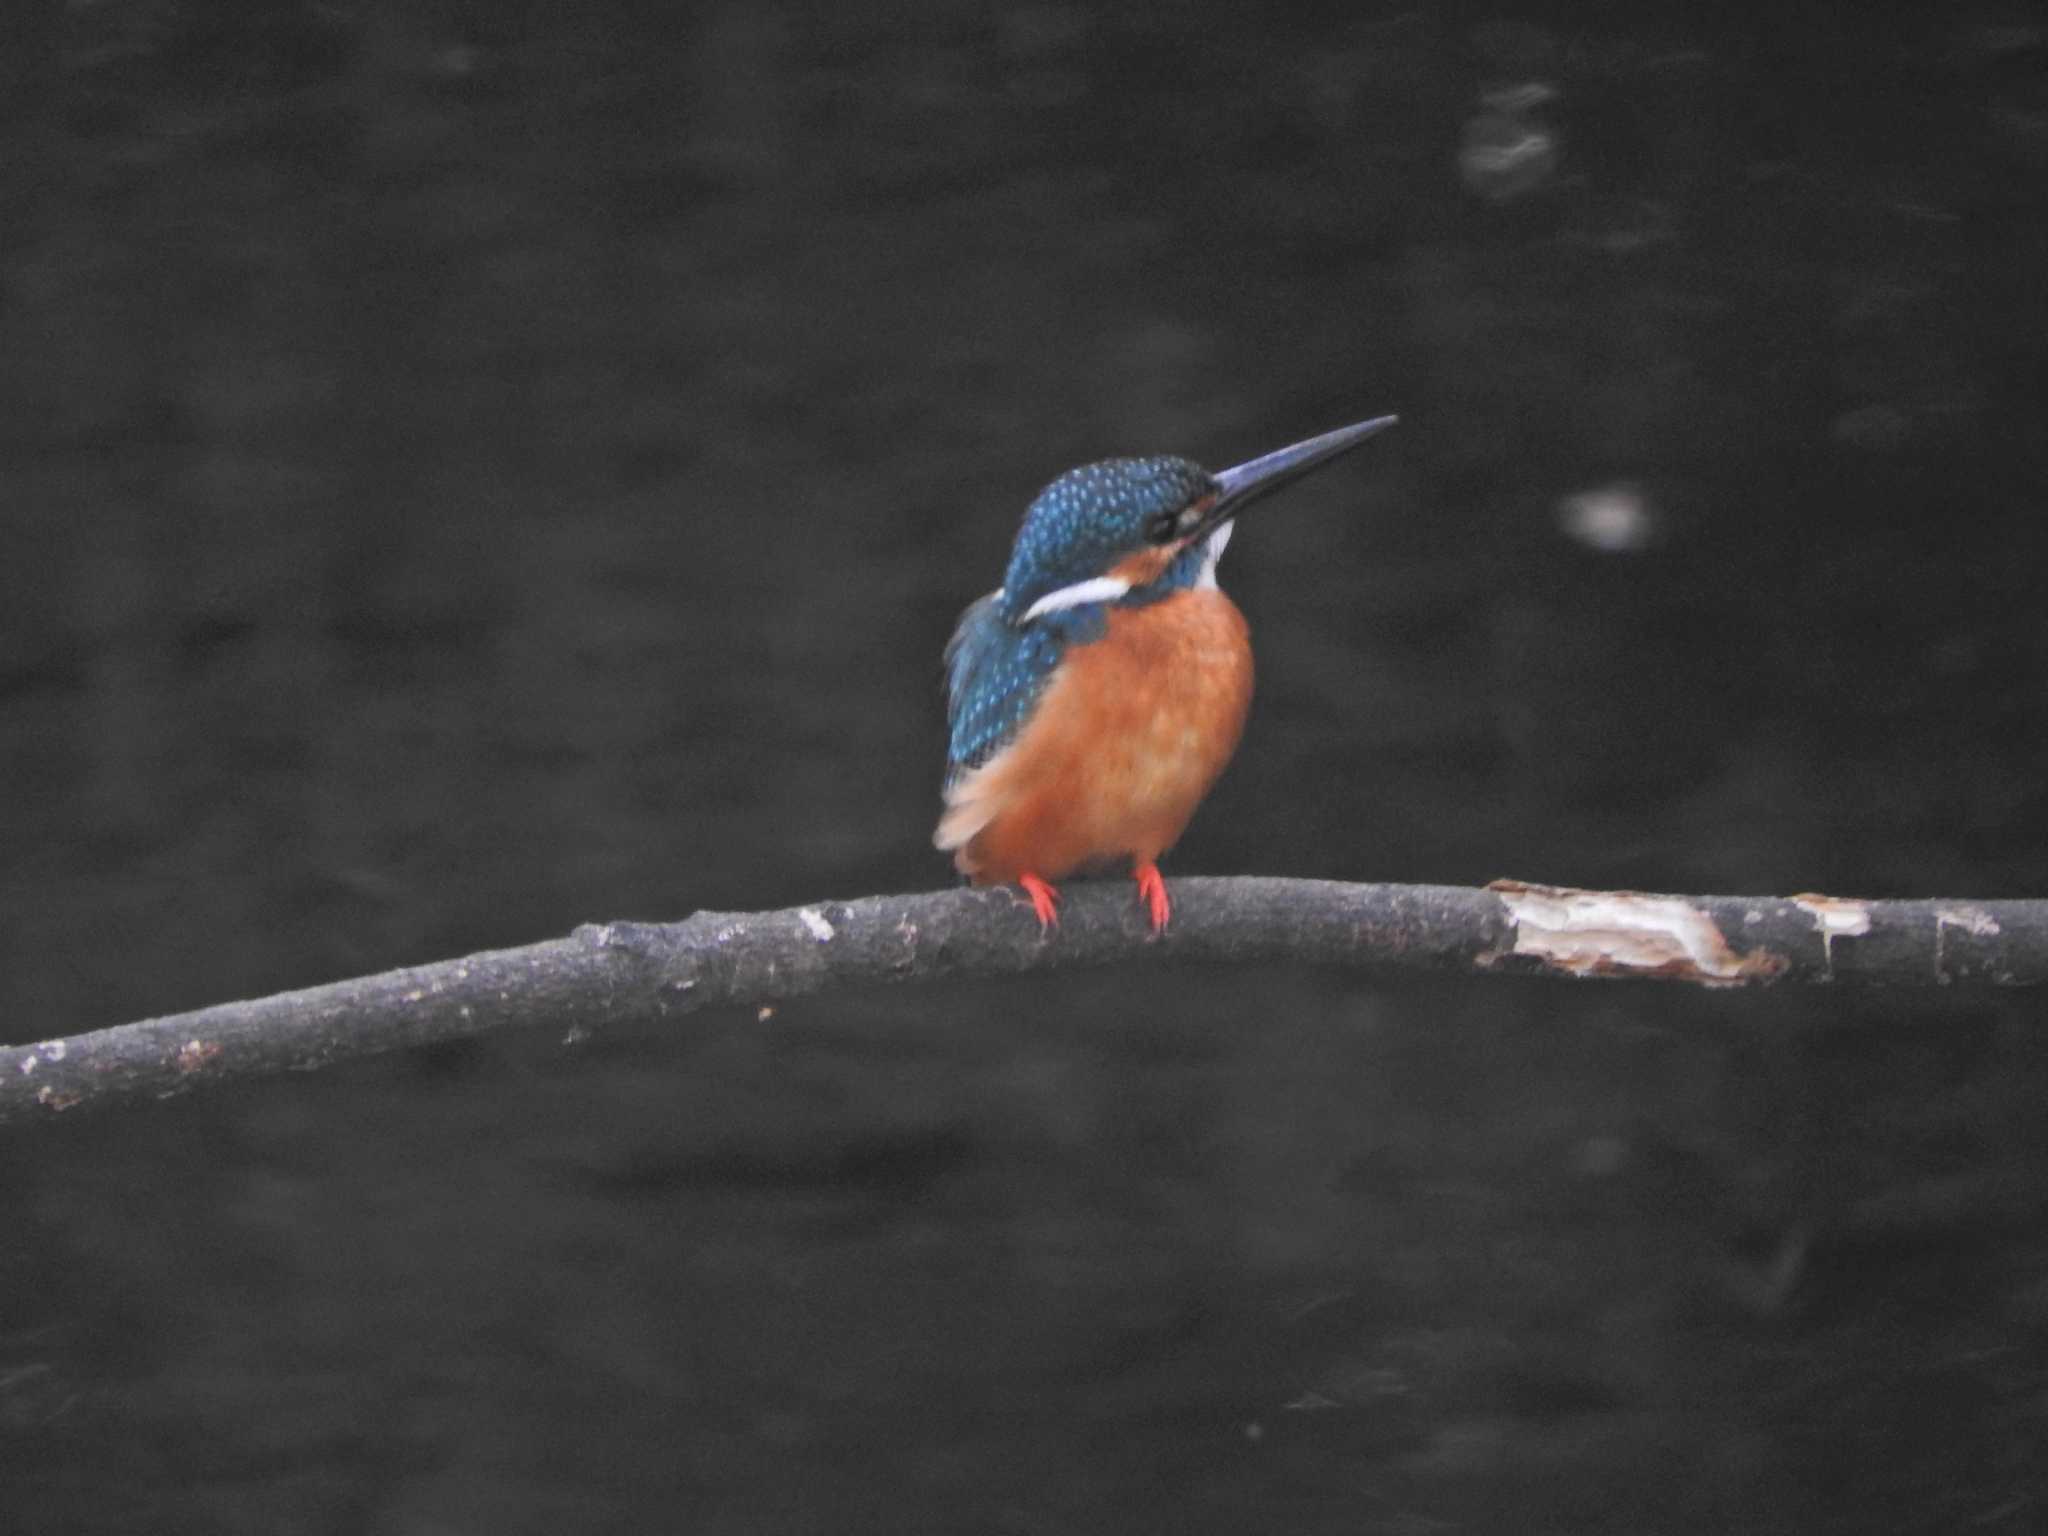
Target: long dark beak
(1245, 483)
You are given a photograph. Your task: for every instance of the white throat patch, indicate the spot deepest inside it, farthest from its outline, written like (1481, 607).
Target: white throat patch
(1212, 551)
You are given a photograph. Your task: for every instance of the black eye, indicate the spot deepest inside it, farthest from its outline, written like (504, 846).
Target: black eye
(1161, 527)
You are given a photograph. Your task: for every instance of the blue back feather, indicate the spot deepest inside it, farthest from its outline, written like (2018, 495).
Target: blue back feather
(995, 672)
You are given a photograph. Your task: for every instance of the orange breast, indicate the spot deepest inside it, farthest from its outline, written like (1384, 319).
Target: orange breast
(1126, 740)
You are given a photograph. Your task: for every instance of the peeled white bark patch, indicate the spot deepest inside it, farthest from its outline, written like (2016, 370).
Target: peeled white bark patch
(1624, 933)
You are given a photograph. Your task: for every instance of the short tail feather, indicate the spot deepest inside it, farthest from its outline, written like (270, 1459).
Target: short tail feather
(969, 808)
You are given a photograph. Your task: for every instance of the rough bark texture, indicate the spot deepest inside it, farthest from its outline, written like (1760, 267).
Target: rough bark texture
(608, 972)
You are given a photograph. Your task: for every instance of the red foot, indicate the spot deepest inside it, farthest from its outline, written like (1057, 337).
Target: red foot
(1045, 901)
(1152, 891)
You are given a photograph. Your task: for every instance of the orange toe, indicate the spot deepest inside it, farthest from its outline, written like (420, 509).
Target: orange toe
(1045, 901)
(1152, 891)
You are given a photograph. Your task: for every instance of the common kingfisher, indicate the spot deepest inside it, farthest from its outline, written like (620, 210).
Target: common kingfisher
(1094, 697)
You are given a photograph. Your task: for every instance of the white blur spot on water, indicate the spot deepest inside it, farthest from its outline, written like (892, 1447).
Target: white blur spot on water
(1615, 519)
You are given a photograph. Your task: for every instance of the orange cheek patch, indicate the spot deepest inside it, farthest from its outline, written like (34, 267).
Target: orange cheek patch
(1146, 566)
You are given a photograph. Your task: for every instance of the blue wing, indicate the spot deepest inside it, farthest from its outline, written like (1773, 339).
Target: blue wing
(995, 672)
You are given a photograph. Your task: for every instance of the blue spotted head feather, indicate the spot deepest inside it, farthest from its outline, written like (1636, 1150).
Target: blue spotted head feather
(1089, 518)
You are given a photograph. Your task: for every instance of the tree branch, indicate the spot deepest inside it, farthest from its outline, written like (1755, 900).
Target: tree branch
(608, 972)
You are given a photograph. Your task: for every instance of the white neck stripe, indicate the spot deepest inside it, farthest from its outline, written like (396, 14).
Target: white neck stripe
(1097, 589)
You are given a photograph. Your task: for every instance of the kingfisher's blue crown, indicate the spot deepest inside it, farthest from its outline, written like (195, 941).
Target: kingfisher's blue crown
(1090, 518)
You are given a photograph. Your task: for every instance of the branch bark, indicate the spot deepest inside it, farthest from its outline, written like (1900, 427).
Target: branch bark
(608, 972)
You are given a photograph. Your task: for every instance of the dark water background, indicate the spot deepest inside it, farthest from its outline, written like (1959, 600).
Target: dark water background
(467, 470)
